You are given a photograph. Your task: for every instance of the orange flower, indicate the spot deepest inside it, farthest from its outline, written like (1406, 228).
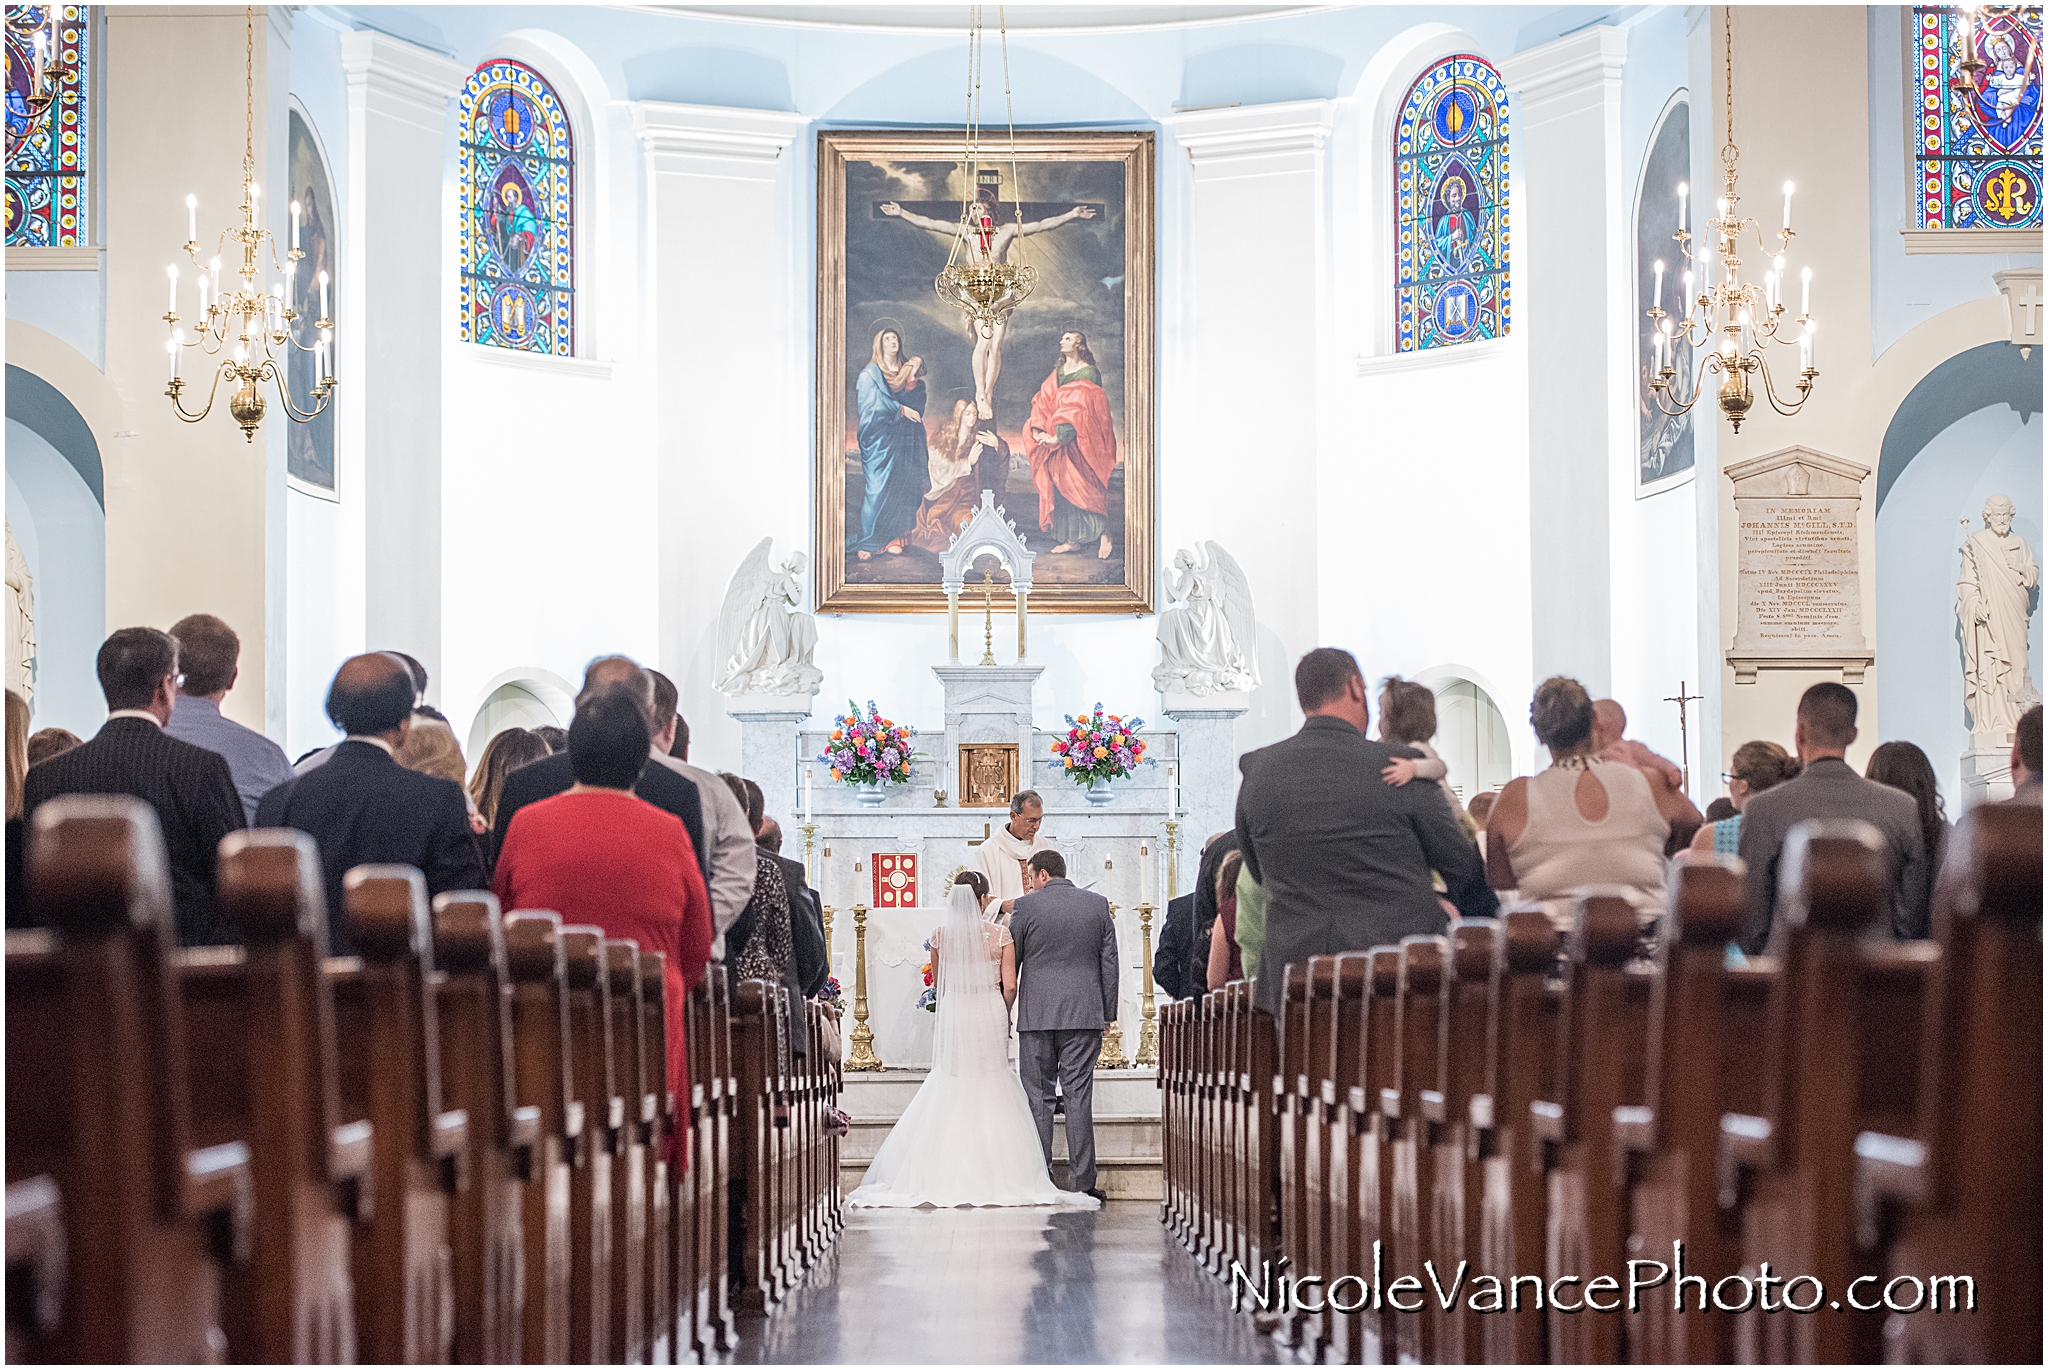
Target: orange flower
(836, 775)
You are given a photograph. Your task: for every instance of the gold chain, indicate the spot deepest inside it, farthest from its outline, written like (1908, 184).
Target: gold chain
(1728, 67)
(249, 89)
(1010, 117)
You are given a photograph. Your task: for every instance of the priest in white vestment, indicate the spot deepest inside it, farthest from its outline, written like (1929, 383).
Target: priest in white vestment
(1003, 855)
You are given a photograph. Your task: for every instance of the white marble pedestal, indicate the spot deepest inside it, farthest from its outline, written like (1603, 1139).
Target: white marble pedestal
(1207, 725)
(768, 749)
(1987, 775)
(986, 704)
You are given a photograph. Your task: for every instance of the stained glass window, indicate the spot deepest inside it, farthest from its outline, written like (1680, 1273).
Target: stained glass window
(516, 165)
(49, 157)
(1977, 116)
(1450, 207)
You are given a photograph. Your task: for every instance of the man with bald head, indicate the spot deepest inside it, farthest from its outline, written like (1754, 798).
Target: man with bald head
(658, 785)
(363, 808)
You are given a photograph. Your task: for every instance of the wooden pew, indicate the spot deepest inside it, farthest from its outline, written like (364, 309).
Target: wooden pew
(660, 1261)
(385, 1013)
(724, 1159)
(1704, 1023)
(1316, 1094)
(1289, 1093)
(1964, 1196)
(1346, 1260)
(1209, 1158)
(1167, 1081)
(1521, 1066)
(1599, 1069)
(1468, 1006)
(627, 1336)
(117, 1221)
(543, 1080)
(591, 1220)
(1261, 1062)
(1229, 1109)
(487, 1236)
(1246, 1210)
(753, 1027)
(1418, 1037)
(1833, 1068)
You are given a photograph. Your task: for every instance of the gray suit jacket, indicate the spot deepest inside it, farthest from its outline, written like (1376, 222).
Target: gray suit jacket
(1066, 959)
(1345, 857)
(1830, 788)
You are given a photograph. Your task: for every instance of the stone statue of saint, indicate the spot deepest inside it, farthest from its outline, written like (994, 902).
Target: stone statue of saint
(21, 621)
(765, 639)
(1208, 642)
(1994, 591)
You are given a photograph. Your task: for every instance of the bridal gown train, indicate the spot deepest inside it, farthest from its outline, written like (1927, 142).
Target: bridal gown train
(968, 1139)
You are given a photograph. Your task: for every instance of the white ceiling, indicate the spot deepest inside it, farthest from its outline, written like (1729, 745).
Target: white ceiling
(1026, 18)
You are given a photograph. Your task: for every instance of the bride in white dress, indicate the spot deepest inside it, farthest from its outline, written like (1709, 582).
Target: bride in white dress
(967, 1140)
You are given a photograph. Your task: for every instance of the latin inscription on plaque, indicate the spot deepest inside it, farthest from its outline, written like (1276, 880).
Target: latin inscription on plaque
(1799, 592)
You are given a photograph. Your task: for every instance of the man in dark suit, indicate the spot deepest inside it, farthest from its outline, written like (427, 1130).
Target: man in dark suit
(806, 912)
(363, 808)
(1828, 787)
(1066, 998)
(552, 775)
(1170, 957)
(191, 788)
(1344, 857)
(2026, 758)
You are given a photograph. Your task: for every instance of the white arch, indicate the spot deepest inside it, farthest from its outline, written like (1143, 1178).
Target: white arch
(546, 686)
(582, 90)
(1521, 740)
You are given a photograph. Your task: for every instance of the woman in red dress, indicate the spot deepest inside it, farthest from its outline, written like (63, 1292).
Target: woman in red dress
(597, 855)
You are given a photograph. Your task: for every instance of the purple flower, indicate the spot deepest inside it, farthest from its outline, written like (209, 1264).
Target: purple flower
(888, 758)
(845, 760)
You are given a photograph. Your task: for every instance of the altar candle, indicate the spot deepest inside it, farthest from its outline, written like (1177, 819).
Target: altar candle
(825, 879)
(1145, 870)
(807, 794)
(1660, 283)
(191, 218)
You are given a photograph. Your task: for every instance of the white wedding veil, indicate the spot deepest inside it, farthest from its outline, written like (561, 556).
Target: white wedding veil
(972, 1033)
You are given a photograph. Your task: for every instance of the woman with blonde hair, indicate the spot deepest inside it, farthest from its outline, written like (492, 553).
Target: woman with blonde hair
(430, 748)
(505, 753)
(17, 826)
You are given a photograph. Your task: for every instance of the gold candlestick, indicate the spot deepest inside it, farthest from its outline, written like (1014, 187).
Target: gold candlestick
(862, 1056)
(1172, 860)
(810, 832)
(1148, 1026)
(1112, 1055)
(988, 618)
(827, 911)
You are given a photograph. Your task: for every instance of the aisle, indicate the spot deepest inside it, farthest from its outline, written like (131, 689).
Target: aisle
(1006, 1286)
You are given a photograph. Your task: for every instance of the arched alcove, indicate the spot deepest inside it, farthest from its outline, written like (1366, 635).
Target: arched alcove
(520, 698)
(56, 519)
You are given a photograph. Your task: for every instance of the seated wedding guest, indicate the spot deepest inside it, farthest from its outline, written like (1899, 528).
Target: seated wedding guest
(45, 743)
(506, 752)
(1251, 920)
(209, 655)
(1170, 957)
(1904, 766)
(1345, 858)
(597, 855)
(191, 788)
(556, 738)
(363, 808)
(658, 785)
(761, 944)
(727, 830)
(2026, 758)
(1226, 962)
(1202, 931)
(1826, 787)
(1584, 820)
(1718, 809)
(414, 671)
(17, 827)
(1757, 766)
(1408, 720)
(806, 910)
(430, 748)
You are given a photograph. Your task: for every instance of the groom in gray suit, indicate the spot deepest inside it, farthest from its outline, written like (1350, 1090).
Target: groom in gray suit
(1066, 996)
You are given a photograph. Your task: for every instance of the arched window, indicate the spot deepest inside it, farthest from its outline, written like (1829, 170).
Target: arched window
(1664, 442)
(49, 159)
(309, 447)
(1450, 207)
(1977, 145)
(516, 165)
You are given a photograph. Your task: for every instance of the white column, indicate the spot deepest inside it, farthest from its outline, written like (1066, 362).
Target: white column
(1208, 779)
(1571, 259)
(1259, 282)
(187, 512)
(721, 217)
(394, 289)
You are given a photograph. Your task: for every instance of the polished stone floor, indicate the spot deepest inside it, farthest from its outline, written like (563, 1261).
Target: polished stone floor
(1006, 1287)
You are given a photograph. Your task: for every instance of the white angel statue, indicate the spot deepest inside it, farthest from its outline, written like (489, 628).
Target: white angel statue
(765, 640)
(1208, 643)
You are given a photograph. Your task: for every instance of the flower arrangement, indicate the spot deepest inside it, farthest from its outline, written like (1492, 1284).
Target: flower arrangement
(929, 999)
(833, 995)
(868, 749)
(1101, 747)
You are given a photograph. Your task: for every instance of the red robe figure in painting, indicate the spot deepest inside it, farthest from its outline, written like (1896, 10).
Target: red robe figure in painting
(1073, 450)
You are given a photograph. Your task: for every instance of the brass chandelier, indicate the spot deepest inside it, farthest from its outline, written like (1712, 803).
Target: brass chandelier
(46, 73)
(1732, 320)
(250, 329)
(979, 278)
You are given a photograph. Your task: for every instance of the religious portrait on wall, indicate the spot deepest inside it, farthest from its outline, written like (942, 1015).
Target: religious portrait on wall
(309, 447)
(1664, 441)
(1050, 406)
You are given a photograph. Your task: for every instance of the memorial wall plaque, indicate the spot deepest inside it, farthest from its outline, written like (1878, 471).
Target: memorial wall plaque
(1799, 588)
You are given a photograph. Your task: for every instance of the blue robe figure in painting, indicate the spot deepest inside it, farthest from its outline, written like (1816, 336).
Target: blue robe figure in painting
(893, 458)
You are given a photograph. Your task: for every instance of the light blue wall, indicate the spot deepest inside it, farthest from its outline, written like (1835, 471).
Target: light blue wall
(63, 535)
(72, 305)
(1907, 291)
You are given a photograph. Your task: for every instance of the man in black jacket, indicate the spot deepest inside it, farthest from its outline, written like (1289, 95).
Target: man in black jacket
(191, 788)
(363, 808)
(552, 775)
(1170, 957)
(806, 912)
(1344, 857)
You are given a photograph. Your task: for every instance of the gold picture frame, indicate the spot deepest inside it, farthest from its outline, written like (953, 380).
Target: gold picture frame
(988, 774)
(1087, 205)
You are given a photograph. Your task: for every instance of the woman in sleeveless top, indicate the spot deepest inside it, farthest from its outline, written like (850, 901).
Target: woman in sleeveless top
(1757, 766)
(1583, 821)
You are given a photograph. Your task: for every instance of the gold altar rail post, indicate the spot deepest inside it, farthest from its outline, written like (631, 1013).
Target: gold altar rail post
(1148, 1025)
(862, 1056)
(1112, 1055)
